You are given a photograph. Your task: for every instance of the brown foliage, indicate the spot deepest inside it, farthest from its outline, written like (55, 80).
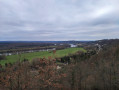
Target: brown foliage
(21, 76)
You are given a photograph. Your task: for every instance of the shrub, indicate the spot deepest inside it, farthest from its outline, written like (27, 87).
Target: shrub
(2, 57)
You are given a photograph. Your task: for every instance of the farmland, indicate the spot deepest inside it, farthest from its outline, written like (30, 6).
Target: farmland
(46, 54)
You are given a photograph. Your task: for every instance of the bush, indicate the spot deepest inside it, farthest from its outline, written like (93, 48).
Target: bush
(2, 57)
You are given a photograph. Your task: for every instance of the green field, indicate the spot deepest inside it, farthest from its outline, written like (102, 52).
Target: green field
(46, 54)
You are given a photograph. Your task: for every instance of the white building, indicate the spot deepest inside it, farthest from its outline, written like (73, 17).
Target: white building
(72, 45)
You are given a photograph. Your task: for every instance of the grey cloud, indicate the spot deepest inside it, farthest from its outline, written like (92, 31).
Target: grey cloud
(58, 19)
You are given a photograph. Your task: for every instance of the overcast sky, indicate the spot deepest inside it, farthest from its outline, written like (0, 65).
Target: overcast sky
(44, 20)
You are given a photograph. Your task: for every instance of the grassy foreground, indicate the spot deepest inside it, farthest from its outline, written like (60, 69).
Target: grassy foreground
(46, 54)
